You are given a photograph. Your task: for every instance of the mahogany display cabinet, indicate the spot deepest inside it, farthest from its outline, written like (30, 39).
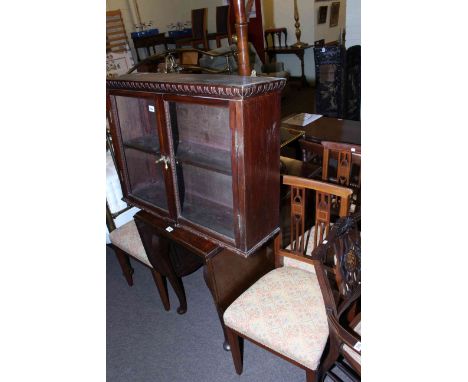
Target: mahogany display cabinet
(201, 151)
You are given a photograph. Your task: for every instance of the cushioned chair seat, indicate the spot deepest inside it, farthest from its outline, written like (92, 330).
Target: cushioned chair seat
(128, 239)
(279, 311)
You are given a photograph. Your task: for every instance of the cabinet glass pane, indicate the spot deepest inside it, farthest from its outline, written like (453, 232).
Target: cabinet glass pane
(138, 128)
(202, 146)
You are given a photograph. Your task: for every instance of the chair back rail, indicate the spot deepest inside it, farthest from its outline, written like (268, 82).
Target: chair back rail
(280, 33)
(299, 238)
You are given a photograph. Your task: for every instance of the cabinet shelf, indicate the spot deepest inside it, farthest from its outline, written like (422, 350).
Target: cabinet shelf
(214, 216)
(151, 192)
(148, 144)
(207, 157)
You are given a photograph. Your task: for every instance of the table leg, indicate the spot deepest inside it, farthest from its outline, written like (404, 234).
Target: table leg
(271, 57)
(304, 82)
(138, 55)
(157, 250)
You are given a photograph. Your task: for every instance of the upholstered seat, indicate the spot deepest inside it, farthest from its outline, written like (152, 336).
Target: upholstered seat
(128, 240)
(284, 311)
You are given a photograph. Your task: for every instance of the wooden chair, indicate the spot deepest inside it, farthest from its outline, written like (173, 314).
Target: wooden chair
(126, 243)
(223, 25)
(199, 30)
(348, 166)
(311, 151)
(280, 33)
(341, 163)
(284, 311)
(338, 269)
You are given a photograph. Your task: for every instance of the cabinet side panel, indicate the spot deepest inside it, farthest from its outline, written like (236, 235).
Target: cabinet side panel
(261, 159)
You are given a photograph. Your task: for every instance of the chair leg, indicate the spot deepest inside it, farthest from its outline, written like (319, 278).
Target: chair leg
(311, 376)
(237, 349)
(161, 284)
(124, 261)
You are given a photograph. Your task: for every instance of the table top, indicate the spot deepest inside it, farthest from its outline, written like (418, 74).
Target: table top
(288, 135)
(330, 129)
(287, 49)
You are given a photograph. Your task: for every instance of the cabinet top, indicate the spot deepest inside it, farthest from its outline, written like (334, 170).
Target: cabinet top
(213, 85)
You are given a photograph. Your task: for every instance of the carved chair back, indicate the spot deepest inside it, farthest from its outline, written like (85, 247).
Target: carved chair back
(199, 30)
(299, 235)
(348, 165)
(338, 269)
(341, 164)
(280, 33)
(223, 26)
(199, 23)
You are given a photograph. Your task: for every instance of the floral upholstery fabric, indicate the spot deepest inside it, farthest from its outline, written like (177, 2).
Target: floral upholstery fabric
(128, 239)
(284, 311)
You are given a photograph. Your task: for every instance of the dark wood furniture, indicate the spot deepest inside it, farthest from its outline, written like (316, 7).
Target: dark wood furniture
(148, 42)
(329, 80)
(199, 30)
(298, 51)
(195, 153)
(330, 129)
(338, 81)
(353, 83)
(194, 150)
(281, 35)
(347, 157)
(226, 274)
(254, 32)
(126, 243)
(338, 269)
(172, 264)
(223, 25)
(284, 298)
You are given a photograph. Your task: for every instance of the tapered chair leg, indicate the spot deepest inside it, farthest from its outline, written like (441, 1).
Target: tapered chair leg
(161, 284)
(124, 261)
(237, 349)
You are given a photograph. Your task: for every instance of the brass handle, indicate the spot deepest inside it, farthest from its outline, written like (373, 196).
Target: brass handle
(164, 159)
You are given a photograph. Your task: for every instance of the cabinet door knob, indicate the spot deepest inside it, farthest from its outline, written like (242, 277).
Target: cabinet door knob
(164, 159)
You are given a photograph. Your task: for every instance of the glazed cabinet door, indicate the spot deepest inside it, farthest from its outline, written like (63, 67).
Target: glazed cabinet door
(143, 160)
(201, 140)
